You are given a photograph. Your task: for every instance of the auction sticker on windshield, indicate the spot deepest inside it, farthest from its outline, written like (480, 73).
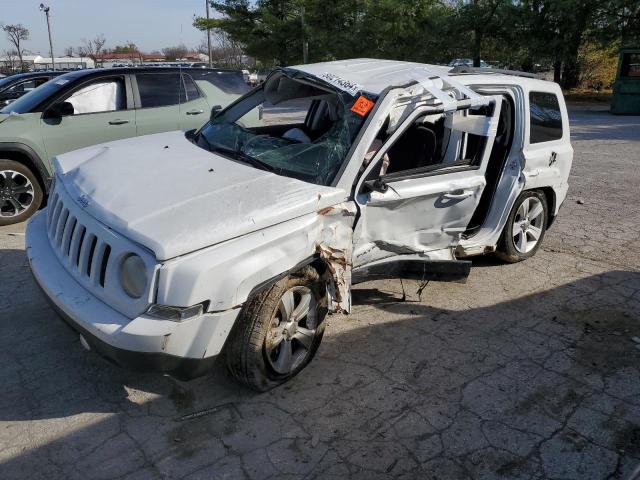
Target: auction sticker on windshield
(350, 87)
(362, 106)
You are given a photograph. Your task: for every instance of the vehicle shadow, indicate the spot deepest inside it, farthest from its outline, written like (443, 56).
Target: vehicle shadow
(508, 390)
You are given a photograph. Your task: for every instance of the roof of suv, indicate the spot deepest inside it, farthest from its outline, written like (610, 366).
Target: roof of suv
(375, 75)
(27, 75)
(88, 73)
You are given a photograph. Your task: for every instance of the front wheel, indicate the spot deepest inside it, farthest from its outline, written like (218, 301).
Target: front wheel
(278, 331)
(525, 228)
(20, 192)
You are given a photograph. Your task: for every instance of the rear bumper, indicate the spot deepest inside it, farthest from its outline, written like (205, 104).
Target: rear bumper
(182, 349)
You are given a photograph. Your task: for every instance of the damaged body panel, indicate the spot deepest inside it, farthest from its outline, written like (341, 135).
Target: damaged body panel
(324, 176)
(335, 248)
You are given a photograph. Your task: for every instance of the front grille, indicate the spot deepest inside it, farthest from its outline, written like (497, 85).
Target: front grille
(81, 250)
(92, 253)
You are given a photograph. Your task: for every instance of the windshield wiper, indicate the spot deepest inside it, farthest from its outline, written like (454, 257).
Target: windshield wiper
(243, 157)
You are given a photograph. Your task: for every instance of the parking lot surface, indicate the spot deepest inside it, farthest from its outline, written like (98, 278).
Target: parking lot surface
(528, 371)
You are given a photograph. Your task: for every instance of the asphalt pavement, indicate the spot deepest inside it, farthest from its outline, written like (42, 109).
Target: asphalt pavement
(528, 371)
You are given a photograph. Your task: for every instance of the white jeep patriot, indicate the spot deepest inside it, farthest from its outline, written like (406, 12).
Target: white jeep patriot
(166, 251)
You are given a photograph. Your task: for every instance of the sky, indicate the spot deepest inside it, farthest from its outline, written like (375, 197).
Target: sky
(150, 24)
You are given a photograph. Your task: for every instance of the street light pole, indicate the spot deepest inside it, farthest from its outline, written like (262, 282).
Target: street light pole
(45, 9)
(209, 35)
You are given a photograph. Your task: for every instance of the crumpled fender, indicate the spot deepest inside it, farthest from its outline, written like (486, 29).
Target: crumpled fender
(335, 247)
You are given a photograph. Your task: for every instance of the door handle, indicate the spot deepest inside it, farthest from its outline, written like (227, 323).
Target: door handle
(458, 194)
(195, 112)
(118, 121)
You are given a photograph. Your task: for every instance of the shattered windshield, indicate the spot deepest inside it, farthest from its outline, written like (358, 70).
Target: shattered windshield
(291, 127)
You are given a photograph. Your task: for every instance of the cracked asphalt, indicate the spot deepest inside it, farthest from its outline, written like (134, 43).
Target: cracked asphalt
(529, 371)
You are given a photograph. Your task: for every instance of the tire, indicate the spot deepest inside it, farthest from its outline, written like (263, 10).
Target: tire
(20, 192)
(527, 219)
(271, 343)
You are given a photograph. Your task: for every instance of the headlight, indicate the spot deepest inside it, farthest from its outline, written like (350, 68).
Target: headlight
(133, 276)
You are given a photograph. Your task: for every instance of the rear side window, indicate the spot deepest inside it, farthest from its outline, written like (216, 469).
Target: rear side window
(231, 82)
(546, 120)
(24, 87)
(190, 88)
(158, 89)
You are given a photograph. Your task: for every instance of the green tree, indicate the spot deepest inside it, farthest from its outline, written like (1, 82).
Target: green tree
(128, 47)
(480, 22)
(270, 31)
(555, 30)
(521, 34)
(618, 22)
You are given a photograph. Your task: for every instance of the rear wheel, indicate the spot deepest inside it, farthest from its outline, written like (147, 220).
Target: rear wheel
(525, 228)
(20, 192)
(278, 331)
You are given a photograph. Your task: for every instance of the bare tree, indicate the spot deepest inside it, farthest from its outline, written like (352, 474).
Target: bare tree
(175, 53)
(11, 59)
(16, 34)
(92, 48)
(226, 52)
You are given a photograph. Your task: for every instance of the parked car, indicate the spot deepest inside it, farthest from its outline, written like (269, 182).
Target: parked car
(15, 86)
(252, 78)
(258, 76)
(165, 251)
(86, 107)
(467, 62)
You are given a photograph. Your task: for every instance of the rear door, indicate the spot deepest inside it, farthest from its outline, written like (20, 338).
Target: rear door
(103, 111)
(194, 109)
(157, 97)
(420, 204)
(547, 149)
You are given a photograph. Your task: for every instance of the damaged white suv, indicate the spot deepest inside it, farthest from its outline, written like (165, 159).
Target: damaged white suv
(166, 251)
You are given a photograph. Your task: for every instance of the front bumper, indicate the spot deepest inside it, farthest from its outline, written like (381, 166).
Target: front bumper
(182, 349)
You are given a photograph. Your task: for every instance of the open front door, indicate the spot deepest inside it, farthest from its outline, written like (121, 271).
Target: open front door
(422, 187)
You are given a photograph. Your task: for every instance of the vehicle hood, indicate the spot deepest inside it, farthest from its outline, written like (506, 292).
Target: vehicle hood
(169, 195)
(3, 117)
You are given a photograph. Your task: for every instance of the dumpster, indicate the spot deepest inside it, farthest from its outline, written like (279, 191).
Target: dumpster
(626, 89)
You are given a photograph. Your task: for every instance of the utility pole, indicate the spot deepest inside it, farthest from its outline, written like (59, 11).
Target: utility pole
(45, 9)
(305, 43)
(209, 35)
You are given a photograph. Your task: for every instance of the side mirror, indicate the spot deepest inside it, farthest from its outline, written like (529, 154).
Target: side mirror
(62, 109)
(215, 111)
(376, 185)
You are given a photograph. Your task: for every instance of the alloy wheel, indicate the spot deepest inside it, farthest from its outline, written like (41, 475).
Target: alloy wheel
(292, 331)
(16, 193)
(528, 224)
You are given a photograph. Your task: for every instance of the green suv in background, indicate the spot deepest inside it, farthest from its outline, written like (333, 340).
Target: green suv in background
(88, 107)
